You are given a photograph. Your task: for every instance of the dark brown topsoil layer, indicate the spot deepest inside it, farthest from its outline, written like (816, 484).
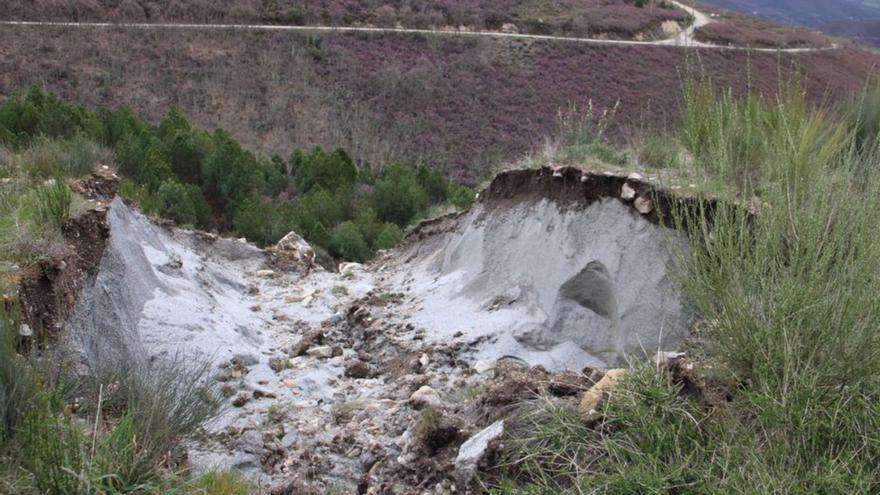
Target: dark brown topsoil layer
(569, 187)
(50, 289)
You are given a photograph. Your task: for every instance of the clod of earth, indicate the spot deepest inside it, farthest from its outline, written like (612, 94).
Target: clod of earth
(594, 397)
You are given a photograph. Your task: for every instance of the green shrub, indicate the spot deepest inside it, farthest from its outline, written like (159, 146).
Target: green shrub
(175, 203)
(229, 172)
(25, 117)
(389, 237)
(460, 196)
(347, 242)
(320, 170)
(434, 182)
(74, 157)
(264, 223)
(397, 196)
(368, 224)
(753, 141)
(318, 211)
(657, 151)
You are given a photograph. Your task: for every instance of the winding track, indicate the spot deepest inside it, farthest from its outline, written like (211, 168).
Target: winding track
(685, 39)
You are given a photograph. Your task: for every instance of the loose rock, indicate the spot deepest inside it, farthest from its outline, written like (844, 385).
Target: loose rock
(644, 205)
(323, 352)
(357, 369)
(241, 400)
(293, 253)
(425, 397)
(475, 450)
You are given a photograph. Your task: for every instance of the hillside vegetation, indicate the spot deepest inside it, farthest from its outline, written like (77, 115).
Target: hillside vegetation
(616, 18)
(207, 180)
(412, 99)
(781, 393)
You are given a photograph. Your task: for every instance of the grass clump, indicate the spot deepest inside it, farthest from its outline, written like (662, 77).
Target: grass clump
(753, 142)
(220, 483)
(581, 135)
(122, 441)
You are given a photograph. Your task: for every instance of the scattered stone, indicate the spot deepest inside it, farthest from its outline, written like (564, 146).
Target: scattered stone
(436, 430)
(262, 394)
(635, 176)
(593, 398)
(424, 361)
(336, 351)
(334, 320)
(627, 193)
(309, 340)
(557, 173)
(349, 268)
(244, 360)
(644, 205)
(664, 357)
(25, 330)
(227, 390)
(278, 364)
(240, 400)
(473, 451)
(321, 351)
(266, 273)
(425, 397)
(357, 370)
(289, 440)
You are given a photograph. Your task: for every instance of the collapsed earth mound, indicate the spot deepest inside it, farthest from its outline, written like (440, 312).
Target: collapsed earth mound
(324, 372)
(553, 267)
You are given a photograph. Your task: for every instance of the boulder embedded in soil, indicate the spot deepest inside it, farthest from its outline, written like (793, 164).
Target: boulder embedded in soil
(473, 451)
(426, 397)
(293, 253)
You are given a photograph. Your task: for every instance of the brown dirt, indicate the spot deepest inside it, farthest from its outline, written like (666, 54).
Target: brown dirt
(49, 290)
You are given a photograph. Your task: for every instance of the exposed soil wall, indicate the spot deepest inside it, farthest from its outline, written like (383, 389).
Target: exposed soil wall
(49, 290)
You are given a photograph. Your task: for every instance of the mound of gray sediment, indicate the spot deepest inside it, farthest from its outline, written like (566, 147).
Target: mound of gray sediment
(556, 270)
(156, 294)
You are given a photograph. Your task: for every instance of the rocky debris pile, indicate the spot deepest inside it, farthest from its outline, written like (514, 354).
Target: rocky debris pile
(402, 376)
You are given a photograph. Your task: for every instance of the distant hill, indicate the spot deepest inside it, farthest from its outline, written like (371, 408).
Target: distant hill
(856, 19)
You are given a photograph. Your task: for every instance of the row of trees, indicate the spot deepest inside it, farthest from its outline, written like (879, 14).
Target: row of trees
(207, 180)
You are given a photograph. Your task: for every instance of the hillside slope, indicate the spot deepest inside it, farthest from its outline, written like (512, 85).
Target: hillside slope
(611, 18)
(462, 104)
(853, 19)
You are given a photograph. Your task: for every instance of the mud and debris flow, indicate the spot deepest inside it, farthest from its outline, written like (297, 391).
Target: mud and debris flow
(318, 369)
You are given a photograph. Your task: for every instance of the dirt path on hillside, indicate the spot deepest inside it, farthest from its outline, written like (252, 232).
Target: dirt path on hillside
(684, 39)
